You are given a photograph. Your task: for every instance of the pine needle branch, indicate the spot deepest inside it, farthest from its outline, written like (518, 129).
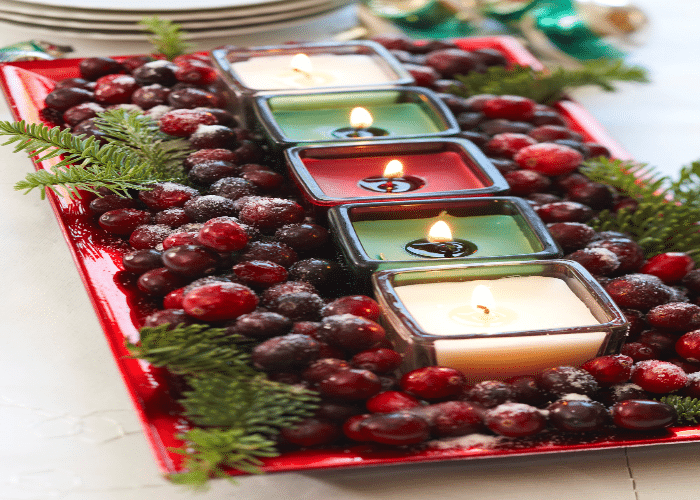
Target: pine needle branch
(168, 37)
(549, 86)
(688, 408)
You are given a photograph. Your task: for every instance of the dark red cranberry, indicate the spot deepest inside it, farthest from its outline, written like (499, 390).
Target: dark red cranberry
(611, 369)
(160, 281)
(549, 158)
(196, 72)
(298, 306)
(80, 83)
(455, 103)
(562, 380)
(150, 96)
(394, 41)
(220, 301)
(525, 182)
(359, 305)
(571, 235)
(692, 281)
(547, 133)
(661, 341)
(92, 68)
(180, 238)
(638, 291)
(539, 199)
(149, 235)
(576, 145)
(564, 211)
(261, 325)
(191, 260)
(171, 217)
(353, 428)
(232, 188)
(675, 316)
(273, 293)
(351, 384)
(90, 128)
(469, 120)
(260, 273)
(172, 317)
(203, 208)
(191, 97)
(396, 429)
(213, 137)
(448, 85)
(269, 250)
(391, 401)
(688, 346)
(692, 389)
(350, 333)
(434, 383)
(598, 261)
(501, 125)
(208, 172)
(527, 390)
(507, 144)
(490, 57)
(455, 418)
(207, 155)
(248, 151)
(140, 261)
(620, 392)
(671, 267)
(123, 220)
(65, 98)
(595, 150)
(643, 415)
(265, 180)
(575, 415)
(424, 76)
(546, 117)
(379, 360)
(303, 236)
(184, 122)
(321, 273)
(51, 116)
(594, 194)
(504, 165)
(639, 351)
(285, 353)
(323, 368)
(659, 377)
(515, 420)
(631, 254)
(111, 202)
(509, 107)
(268, 214)
(166, 195)
(133, 62)
(311, 432)
(76, 114)
(115, 89)
(491, 393)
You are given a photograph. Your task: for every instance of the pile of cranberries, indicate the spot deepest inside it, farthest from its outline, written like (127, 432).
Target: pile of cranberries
(236, 249)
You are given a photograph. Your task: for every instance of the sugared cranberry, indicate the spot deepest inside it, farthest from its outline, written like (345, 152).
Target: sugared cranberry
(203, 208)
(184, 122)
(261, 325)
(491, 393)
(639, 351)
(213, 137)
(298, 306)
(598, 261)
(76, 114)
(150, 96)
(507, 144)
(321, 273)
(285, 353)
(359, 305)
(323, 368)
(515, 420)
(180, 238)
(171, 217)
(115, 89)
(219, 301)
(196, 72)
(273, 293)
(562, 380)
(643, 415)
(675, 316)
(455, 418)
(269, 250)
(688, 346)
(192, 97)
(232, 188)
(166, 195)
(659, 377)
(149, 235)
(638, 291)
(268, 214)
(434, 383)
(631, 254)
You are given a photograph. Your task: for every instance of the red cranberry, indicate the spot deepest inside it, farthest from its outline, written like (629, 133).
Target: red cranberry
(671, 267)
(637, 291)
(65, 98)
(353, 428)
(323, 368)
(160, 281)
(380, 360)
(92, 68)
(298, 306)
(396, 429)
(196, 72)
(219, 301)
(434, 383)
(115, 89)
(525, 182)
(271, 213)
(639, 351)
(688, 346)
(149, 235)
(611, 369)
(549, 132)
(76, 114)
(260, 273)
(111, 202)
(451, 61)
(285, 353)
(643, 415)
(508, 143)
(675, 316)
(659, 377)
(265, 180)
(184, 122)
(510, 107)
(515, 420)
(455, 418)
(166, 195)
(549, 158)
(424, 76)
(571, 236)
(191, 260)
(491, 393)
(180, 238)
(391, 401)
(562, 380)
(123, 220)
(223, 234)
(564, 211)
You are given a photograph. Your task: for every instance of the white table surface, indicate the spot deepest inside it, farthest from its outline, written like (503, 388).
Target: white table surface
(69, 430)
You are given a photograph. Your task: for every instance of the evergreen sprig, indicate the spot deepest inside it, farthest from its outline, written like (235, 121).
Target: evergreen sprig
(192, 349)
(548, 86)
(688, 408)
(138, 156)
(667, 215)
(167, 37)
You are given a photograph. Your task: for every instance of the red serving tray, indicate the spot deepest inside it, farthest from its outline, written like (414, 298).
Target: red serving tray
(120, 307)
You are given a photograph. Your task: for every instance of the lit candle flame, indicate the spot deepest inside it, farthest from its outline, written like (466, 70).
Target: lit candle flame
(439, 232)
(393, 169)
(482, 299)
(302, 64)
(360, 118)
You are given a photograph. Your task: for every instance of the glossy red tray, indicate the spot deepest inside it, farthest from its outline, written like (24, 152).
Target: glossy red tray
(119, 307)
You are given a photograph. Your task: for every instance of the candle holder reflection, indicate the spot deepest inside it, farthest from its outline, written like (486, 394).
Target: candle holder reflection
(440, 244)
(393, 180)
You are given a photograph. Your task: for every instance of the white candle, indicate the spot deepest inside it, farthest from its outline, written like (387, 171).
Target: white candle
(520, 303)
(275, 72)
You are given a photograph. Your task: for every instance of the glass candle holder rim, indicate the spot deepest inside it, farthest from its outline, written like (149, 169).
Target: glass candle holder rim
(439, 110)
(223, 63)
(383, 283)
(486, 171)
(340, 217)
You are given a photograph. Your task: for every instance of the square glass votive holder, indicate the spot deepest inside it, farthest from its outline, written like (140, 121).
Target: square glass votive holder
(396, 113)
(378, 236)
(248, 71)
(533, 315)
(335, 174)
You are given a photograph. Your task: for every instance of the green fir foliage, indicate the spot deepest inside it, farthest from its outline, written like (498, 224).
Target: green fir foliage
(168, 38)
(548, 86)
(667, 215)
(239, 410)
(136, 156)
(688, 408)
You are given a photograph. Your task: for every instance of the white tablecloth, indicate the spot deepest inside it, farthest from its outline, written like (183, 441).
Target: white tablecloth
(69, 430)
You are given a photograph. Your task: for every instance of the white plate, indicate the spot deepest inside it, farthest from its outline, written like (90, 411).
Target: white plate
(323, 25)
(155, 6)
(281, 12)
(181, 17)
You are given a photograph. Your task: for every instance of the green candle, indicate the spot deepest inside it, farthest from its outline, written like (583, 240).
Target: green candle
(493, 235)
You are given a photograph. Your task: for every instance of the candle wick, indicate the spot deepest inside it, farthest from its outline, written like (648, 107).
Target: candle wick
(484, 308)
(303, 73)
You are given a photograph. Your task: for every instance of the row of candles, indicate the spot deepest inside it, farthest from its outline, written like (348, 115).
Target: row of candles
(466, 277)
